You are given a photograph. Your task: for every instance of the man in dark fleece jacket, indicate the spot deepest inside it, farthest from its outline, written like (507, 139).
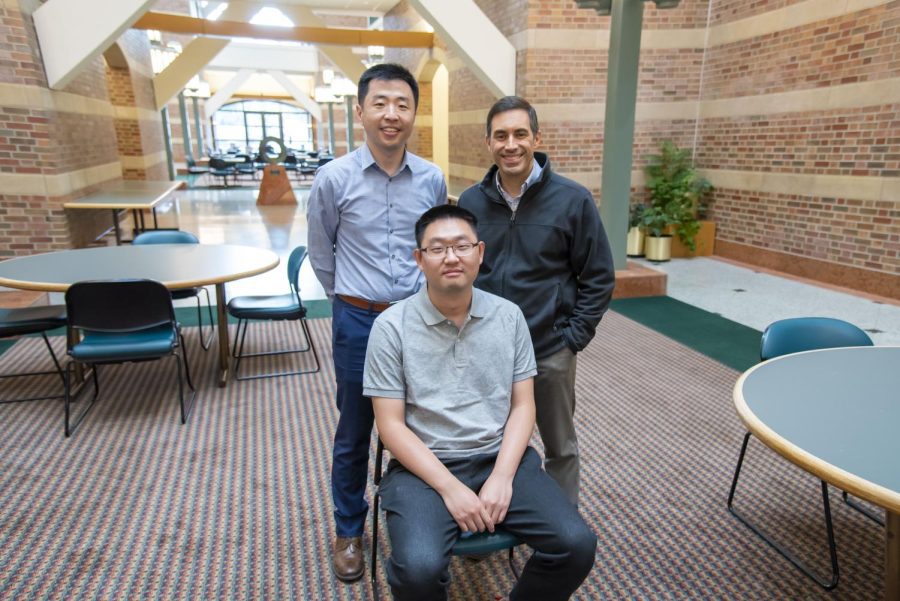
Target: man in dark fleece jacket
(545, 250)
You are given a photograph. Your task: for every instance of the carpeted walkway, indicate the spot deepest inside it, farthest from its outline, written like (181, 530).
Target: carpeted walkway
(235, 505)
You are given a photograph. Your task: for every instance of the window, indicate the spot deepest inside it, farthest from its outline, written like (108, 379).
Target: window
(242, 125)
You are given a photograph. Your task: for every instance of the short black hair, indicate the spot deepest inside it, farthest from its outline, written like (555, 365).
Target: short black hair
(513, 103)
(446, 211)
(386, 72)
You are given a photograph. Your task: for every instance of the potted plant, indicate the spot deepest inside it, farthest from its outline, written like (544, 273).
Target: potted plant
(658, 245)
(635, 243)
(676, 188)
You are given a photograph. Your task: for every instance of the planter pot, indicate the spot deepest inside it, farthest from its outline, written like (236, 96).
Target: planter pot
(658, 248)
(635, 244)
(705, 241)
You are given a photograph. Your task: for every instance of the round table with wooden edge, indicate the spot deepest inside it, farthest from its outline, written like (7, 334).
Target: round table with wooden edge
(836, 414)
(174, 265)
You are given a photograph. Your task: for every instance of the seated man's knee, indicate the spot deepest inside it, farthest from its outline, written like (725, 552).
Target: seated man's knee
(581, 543)
(418, 574)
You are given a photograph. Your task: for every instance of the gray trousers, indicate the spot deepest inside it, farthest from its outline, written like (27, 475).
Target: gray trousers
(554, 399)
(422, 531)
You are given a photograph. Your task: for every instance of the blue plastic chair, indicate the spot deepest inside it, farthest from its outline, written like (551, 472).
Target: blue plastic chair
(794, 336)
(33, 320)
(121, 321)
(273, 308)
(475, 544)
(179, 237)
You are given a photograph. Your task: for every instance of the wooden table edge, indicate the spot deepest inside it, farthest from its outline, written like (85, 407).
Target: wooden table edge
(75, 204)
(844, 480)
(171, 285)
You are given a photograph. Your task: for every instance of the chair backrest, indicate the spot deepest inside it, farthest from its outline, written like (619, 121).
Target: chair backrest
(217, 163)
(298, 255)
(290, 160)
(165, 237)
(119, 305)
(800, 334)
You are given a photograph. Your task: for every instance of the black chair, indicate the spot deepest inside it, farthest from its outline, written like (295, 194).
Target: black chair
(221, 168)
(467, 545)
(290, 164)
(308, 169)
(280, 307)
(246, 167)
(122, 321)
(794, 336)
(179, 237)
(33, 320)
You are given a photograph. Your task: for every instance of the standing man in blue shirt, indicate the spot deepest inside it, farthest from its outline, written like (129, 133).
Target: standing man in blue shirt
(545, 250)
(361, 215)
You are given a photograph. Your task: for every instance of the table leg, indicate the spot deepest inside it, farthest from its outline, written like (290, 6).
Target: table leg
(892, 556)
(222, 318)
(115, 215)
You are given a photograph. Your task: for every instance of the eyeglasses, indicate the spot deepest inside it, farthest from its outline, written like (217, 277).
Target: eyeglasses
(463, 249)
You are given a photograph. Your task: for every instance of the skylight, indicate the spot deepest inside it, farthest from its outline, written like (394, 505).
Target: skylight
(271, 16)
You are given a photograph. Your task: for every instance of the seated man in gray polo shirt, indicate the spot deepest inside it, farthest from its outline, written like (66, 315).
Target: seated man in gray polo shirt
(450, 373)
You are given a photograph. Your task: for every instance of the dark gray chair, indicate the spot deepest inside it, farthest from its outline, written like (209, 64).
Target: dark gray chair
(33, 320)
(122, 321)
(273, 308)
(221, 168)
(794, 336)
(180, 237)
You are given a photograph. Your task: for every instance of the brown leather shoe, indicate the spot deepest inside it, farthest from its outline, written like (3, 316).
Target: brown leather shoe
(348, 561)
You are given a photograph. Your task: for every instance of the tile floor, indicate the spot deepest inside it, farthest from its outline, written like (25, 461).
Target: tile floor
(745, 295)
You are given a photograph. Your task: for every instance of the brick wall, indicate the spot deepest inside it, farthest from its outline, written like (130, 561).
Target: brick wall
(65, 145)
(779, 102)
(816, 210)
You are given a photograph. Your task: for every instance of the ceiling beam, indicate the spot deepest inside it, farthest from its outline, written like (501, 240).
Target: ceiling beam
(72, 33)
(475, 39)
(315, 35)
(195, 56)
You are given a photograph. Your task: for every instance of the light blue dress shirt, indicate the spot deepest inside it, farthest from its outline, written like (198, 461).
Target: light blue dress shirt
(361, 224)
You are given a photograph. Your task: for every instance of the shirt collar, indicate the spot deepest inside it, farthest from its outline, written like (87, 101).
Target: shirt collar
(431, 316)
(533, 177)
(366, 159)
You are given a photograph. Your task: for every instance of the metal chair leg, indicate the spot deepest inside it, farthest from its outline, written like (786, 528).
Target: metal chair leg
(878, 519)
(238, 353)
(832, 550)
(59, 371)
(70, 426)
(185, 412)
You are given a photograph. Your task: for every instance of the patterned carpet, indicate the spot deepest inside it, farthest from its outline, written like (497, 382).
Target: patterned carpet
(235, 504)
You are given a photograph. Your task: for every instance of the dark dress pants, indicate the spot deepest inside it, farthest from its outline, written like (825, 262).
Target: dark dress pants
(423, 532)
(350, 456)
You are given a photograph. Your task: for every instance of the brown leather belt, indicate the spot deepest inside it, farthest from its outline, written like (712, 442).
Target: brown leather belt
(361, 303)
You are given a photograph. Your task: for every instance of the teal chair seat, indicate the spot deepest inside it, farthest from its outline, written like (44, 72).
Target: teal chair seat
(481, 543)
(282, 306)
(125, 346)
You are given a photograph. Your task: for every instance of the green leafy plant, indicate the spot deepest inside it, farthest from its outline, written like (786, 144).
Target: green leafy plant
(676, 190)
(655, 220)
(636, 215)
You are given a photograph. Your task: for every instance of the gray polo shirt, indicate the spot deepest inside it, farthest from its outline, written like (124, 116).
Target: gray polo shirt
(456, 383)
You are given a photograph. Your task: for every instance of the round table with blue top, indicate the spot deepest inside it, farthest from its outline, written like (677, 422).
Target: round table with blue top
(836, 414)
(174, 265)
